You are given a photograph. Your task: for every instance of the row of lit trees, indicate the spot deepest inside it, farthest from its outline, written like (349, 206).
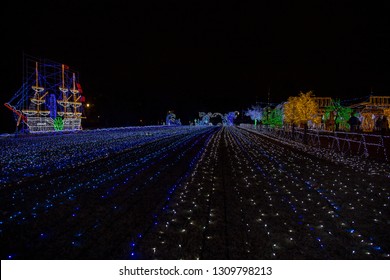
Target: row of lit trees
(303, 111)
(300, 110)
(297, 111)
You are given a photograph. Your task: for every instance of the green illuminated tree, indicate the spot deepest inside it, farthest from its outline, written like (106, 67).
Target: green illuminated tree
(58, 124)
(275, 117)
(339, 113)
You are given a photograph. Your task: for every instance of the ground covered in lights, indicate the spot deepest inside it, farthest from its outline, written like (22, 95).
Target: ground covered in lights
(187, 193)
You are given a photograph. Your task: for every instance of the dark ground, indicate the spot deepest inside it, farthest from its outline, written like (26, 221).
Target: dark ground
(216, 193)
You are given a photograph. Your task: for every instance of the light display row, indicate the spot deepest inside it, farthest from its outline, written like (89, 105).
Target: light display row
(73, 198)
(250, 198)
(189, 192)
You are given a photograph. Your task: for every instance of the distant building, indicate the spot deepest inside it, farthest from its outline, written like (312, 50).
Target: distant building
(370, 110)
(323, 102)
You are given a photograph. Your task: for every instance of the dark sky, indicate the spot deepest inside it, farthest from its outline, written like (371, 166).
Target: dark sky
(139, 59)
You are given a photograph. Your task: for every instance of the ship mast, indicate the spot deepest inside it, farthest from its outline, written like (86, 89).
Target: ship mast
(74, 91)
(37, 99)
(47, 100)
(65, 100)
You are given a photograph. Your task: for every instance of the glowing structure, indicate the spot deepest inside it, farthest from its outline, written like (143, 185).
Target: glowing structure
(230, 117)
(371, 109)
(171, 119)
(50, 91)
(216, 117)
(204, 118)
(226, 119)
(323, 104)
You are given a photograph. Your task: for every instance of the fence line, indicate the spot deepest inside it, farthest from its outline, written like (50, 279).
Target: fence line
(348, 143)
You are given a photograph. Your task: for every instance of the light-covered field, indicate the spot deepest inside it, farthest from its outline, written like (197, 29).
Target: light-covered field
(185, 193)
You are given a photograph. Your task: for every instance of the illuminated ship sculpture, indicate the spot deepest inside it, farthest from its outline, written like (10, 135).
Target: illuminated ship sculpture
(50, 98)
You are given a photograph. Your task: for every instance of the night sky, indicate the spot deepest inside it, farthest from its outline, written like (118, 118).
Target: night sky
(139, 59)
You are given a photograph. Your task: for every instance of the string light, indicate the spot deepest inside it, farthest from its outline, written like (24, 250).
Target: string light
(189, 193)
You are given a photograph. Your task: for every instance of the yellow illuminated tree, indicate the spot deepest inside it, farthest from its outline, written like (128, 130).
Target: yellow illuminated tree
(298, 110)
(290, 110)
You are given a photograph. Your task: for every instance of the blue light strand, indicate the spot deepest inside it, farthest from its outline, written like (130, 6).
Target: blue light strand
(170, 193)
